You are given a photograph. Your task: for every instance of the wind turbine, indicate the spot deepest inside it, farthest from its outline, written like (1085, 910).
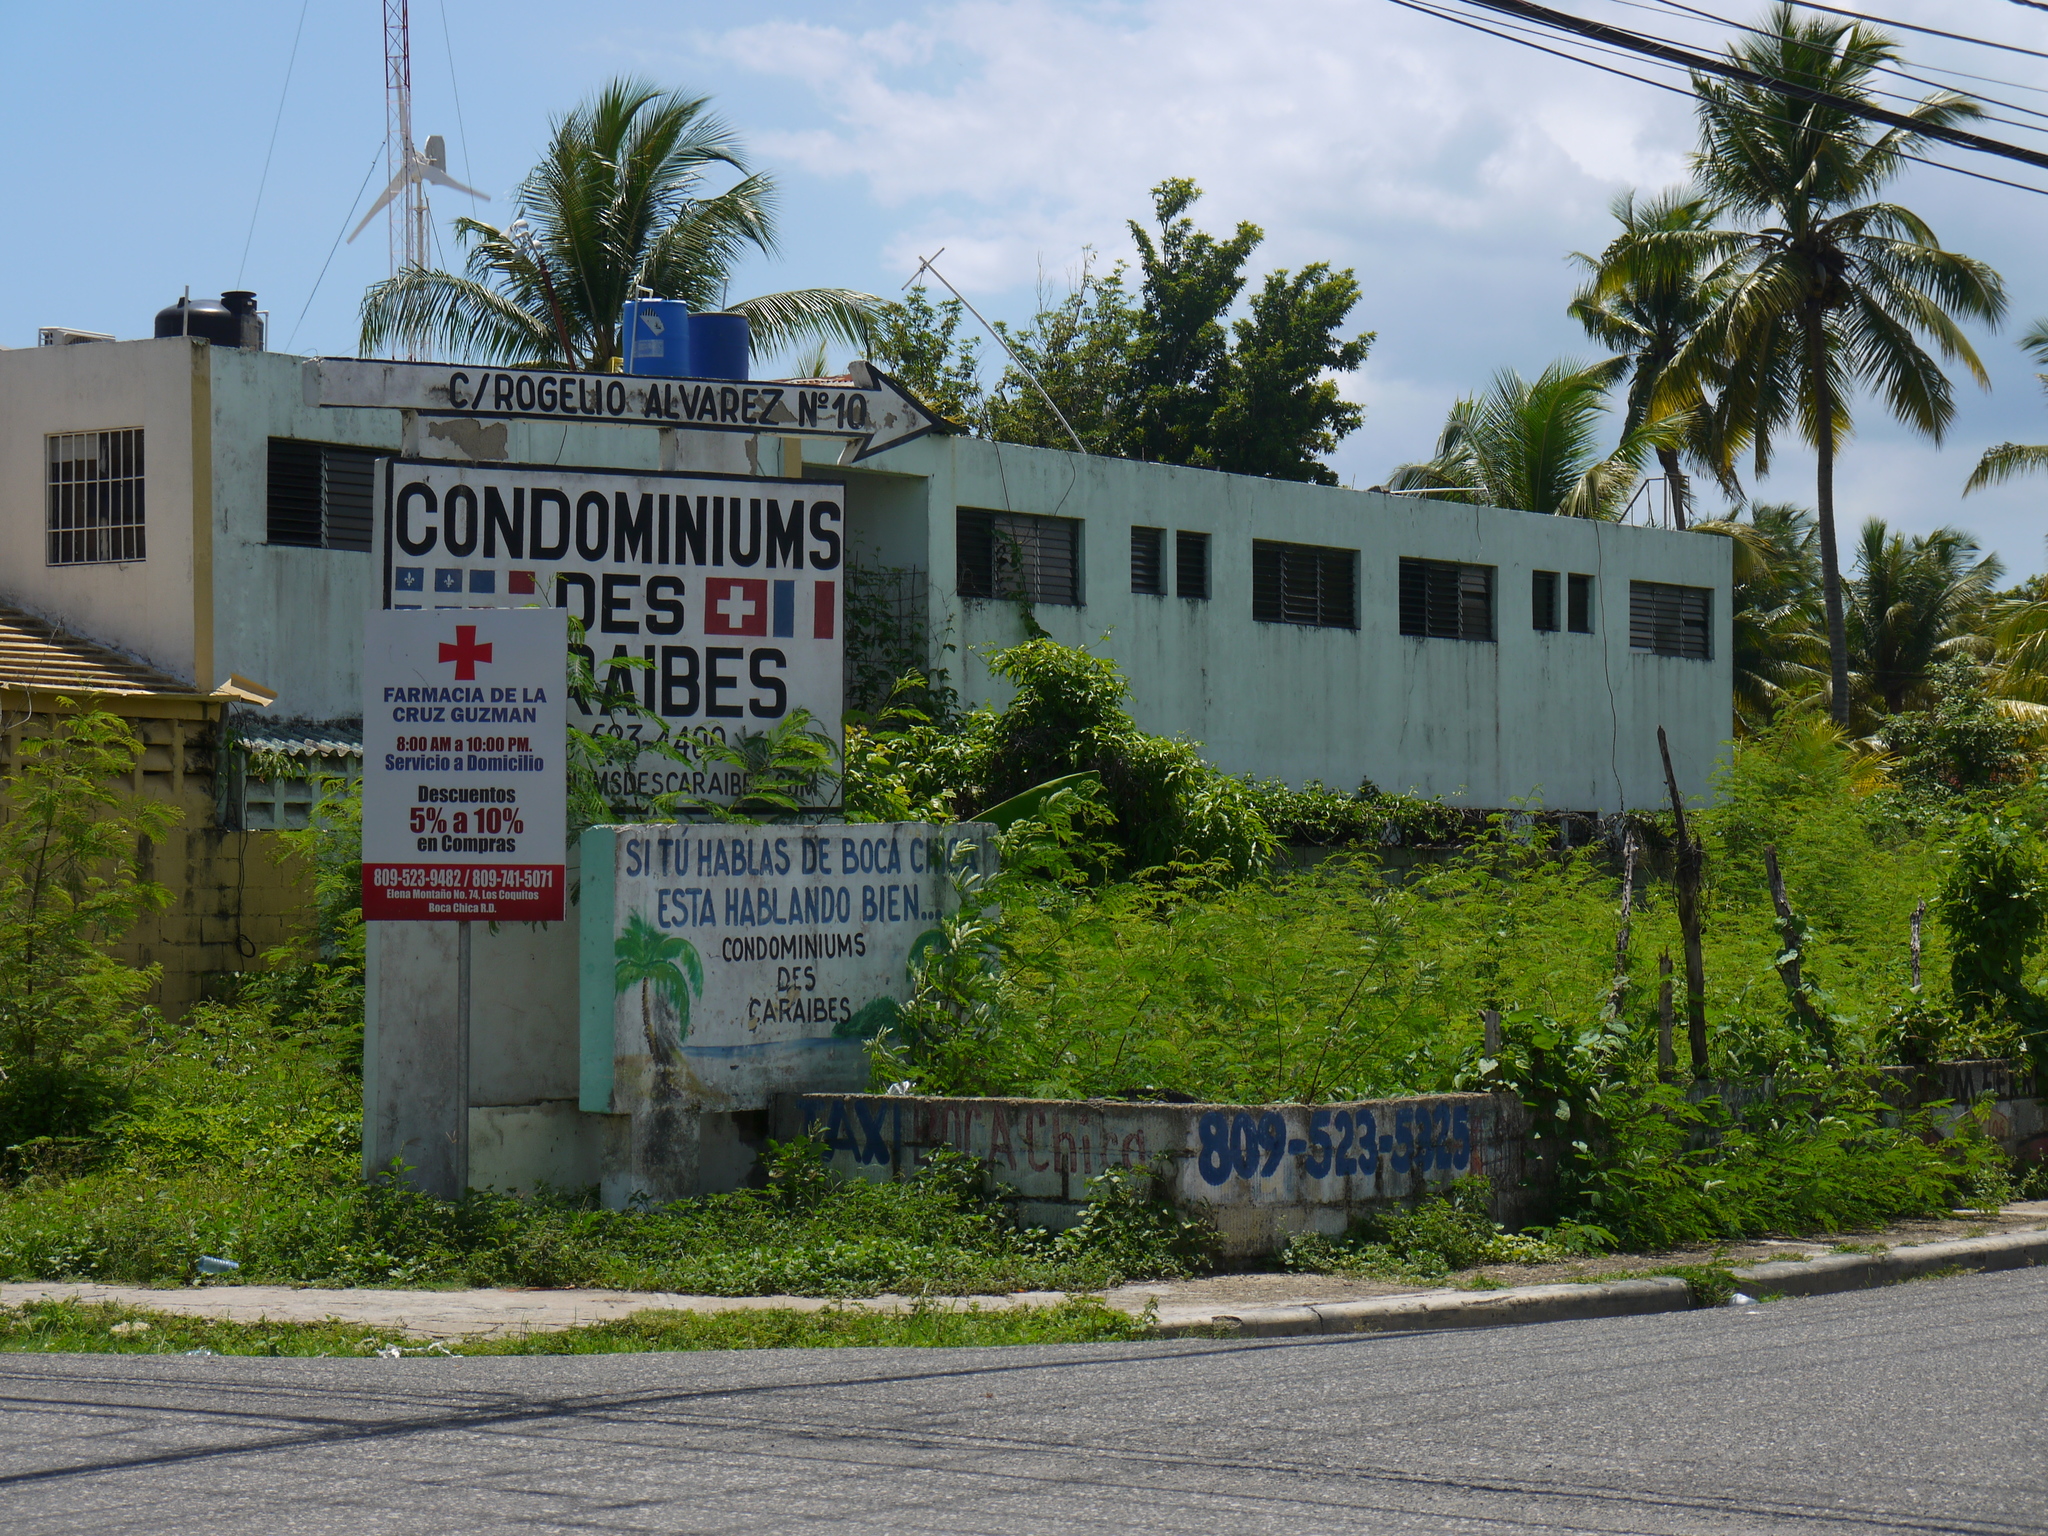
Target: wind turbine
(419, 167)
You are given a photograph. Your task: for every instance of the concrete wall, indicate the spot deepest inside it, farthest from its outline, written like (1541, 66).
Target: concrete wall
(1569, 718)
(1261, 1173)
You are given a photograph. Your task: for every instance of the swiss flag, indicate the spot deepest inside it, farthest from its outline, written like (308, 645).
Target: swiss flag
(735, 605)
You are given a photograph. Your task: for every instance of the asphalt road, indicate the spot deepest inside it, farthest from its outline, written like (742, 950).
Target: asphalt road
(1920, 1408)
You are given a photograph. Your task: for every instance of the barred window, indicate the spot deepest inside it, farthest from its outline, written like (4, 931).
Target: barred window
(319, 495)
(1191, 564)
(1018, 555)
(1542, 600)
(95, 497)
(1579, 605)
(1442, 600)
(1668, 620)
(1304, 584)
(1148, 561)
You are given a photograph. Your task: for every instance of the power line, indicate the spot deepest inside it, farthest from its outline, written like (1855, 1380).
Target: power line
(1907, 26)
(333, 248)
(1703, 64)
(282, 91)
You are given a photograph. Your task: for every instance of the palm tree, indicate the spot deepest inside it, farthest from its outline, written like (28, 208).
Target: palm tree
(1913, 604)
(1774, 608)
(660, 966)
(2002, 463)
(1643, 299)
(1532, 445)
(615, 210)
(1834, 292)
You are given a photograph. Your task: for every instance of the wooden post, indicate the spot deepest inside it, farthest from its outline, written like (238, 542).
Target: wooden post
(1919, 912)
(1489, 1018)
(1688, 883)
(1791, 967)
(1618, 995)
(1667, 1058)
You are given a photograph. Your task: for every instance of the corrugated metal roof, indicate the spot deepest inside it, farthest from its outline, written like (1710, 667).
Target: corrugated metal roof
(327, 744)
(39, 656)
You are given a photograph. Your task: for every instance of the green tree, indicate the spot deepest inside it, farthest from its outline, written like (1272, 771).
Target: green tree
(1994, 904)
(1278, 410)
(1834, 292)
(661, 966)
(1079, 350)
(918, 343)
(2002, 463)
(617, 208)
(1774, 607)
(72, 860)
(1644, 298)
(1532, 445)
(1914, 602)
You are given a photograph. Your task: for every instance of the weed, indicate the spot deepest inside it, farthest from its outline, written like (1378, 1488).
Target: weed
(1448, 1232)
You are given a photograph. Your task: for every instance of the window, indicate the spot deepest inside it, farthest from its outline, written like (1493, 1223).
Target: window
(1668, 621)
(1304, 584)
(1191, 564)
(1579, 605)
(1148, 561)
(1542, 600)
(1016, 554)
(1442, 600)
(320, 494)
(95, 497)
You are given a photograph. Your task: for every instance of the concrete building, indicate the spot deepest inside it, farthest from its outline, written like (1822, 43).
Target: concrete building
(183, 504)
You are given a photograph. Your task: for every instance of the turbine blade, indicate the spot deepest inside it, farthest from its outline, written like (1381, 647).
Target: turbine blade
(397, 186)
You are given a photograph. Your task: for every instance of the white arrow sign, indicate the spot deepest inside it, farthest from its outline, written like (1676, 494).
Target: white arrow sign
(874, 410)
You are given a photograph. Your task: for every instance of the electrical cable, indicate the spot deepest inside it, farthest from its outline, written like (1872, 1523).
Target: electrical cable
(1907, 26)
(334, 247)
(282, 92)
(460, 126)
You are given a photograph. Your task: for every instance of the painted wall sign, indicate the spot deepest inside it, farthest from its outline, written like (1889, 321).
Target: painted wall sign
(722, 964)
(730, 588)
(464, 793)
(874, 409)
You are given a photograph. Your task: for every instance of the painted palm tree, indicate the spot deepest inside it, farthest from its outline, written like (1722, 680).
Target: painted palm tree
(1914, 603)
(1533, 445)
(1774, 608)
(661, 966)
(1644, 298)
(616, 209)
(1834, 292)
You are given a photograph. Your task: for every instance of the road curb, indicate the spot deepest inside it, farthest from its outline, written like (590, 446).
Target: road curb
(1621, 1298)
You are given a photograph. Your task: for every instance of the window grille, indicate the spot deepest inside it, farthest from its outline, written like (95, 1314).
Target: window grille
(1191, 564)
(319, 495)
(1148, 561)
(1304, 584)
(1579, 605)
(95, 497)
(1668, 620)
(1442, 600)
(1018, 555)
(1542, 600)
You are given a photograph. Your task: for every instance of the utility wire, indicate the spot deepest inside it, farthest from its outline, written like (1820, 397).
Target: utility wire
(1907, 26)
(282, 91)
(460, 126)
(333, 248)
(1702, 63)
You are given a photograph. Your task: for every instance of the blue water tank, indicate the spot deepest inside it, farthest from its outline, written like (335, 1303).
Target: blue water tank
(719, 346)
(654, 334)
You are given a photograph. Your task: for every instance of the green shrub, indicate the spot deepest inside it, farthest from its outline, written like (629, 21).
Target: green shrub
(1447, 1232)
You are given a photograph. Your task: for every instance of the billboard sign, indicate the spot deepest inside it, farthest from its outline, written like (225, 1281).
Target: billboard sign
(464, 789)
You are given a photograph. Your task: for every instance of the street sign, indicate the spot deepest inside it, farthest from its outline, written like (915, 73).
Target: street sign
(464, 787)
(730, 588)
(875, 411)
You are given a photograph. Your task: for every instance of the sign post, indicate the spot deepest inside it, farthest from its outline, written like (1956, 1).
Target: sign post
(464, 790)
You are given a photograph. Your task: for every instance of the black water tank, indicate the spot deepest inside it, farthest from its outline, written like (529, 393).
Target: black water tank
(201, 317)
(241, 303)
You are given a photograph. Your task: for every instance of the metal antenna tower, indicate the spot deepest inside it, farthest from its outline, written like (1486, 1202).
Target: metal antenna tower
(408, 213)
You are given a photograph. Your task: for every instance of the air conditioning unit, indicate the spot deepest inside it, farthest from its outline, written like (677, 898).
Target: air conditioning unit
(64, 336)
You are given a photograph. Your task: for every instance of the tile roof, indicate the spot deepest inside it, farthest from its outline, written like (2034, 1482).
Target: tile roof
(39, 656)
(329, 743)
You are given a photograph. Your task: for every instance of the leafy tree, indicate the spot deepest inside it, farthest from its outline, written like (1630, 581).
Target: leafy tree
(918, 343)
(1834, 291)
(72, 862)
(1774, 607)
(1079, 349)
(1914, 601)
(1531, 444)
(617, 208)
(1961, 741)
(1645, 298)
(1278, 409)
(1994, 904)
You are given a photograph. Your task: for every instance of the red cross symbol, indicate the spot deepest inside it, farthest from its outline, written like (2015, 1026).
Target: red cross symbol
(465, 652)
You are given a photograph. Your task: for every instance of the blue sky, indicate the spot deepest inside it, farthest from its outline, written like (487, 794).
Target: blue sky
(1453, 172)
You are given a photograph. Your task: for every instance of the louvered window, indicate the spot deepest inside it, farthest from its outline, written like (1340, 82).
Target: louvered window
(1191, 564)
(1018, 555)
(94, 513)
(1304, 584)
(1442, 600)
(1668, 620)
(1542, 600)
(319, 495)
(1148, 561)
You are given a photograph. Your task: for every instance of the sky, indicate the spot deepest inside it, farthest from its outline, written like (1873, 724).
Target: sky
(225, 145)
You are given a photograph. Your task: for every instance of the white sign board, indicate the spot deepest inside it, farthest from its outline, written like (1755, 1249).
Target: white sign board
(464, 789)
(730, 588)
(728, 963)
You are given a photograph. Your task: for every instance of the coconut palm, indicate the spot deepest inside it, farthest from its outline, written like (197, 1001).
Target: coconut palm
(1774, 608)
(663, 966)
(2000, 464)
(1532, 445)
(1915, 603)
(617, 209)
(1834, 292)
(1643, 298)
